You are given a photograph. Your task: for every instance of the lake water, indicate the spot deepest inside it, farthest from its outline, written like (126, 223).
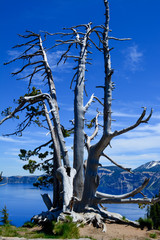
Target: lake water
(23, 201)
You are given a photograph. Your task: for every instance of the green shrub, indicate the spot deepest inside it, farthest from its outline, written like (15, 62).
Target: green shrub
(66, 229)
(146, 222)
(8, 231)
(153, 235)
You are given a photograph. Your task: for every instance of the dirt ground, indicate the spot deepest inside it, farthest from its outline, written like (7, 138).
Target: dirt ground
(118, 232)
(114, 232)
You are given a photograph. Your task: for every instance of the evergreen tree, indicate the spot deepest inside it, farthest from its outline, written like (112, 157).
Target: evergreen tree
(5, 216)
(153, 212)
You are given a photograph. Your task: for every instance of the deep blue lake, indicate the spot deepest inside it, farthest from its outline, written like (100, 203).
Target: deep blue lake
(23, 201)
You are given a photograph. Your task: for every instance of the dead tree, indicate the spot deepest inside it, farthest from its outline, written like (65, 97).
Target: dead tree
(75, 188)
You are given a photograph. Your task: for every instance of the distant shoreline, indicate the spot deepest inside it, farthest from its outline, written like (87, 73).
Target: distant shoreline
(20, 179)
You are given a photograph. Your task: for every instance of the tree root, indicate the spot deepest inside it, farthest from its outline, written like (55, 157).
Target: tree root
(51, 215)
(97, 217)
(117, 218)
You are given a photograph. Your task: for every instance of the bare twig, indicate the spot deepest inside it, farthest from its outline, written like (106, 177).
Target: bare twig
(126, 169)
(21, 127)
(90, 138)
(139, 121)
(73, 79)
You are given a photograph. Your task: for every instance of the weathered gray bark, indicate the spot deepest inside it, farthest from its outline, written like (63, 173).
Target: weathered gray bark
(47, 201)
(57, 153)
(126, 201)
(92, 178)
(56, 159)
(66, 176)
(123, 196)
(96, 151)
(79, 117)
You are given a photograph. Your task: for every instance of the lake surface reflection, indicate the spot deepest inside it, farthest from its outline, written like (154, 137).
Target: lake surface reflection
(23, 201)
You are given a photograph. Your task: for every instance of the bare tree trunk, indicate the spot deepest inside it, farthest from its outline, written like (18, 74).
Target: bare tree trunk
(108, 73)
(79, 115)
(54, 106)
(65, 175)
(57, 153)
(56, 158)
(92, 178)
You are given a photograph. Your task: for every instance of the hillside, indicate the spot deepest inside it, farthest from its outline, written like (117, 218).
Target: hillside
(114, 180)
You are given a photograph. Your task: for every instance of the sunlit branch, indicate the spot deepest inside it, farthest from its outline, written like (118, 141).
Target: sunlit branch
(89, 102)
(124, 196)
(119, 39)
(127, 201)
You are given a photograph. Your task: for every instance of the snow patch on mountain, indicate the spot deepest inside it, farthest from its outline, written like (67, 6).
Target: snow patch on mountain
(152, 164)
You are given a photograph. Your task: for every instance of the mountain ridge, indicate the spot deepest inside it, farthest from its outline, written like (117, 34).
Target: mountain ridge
(114, 180)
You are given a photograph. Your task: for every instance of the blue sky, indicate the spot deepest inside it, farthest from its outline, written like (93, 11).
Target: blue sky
(136, 65)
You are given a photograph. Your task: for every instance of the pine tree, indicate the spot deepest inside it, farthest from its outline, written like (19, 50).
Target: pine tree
(5, 216)
(153, 212)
